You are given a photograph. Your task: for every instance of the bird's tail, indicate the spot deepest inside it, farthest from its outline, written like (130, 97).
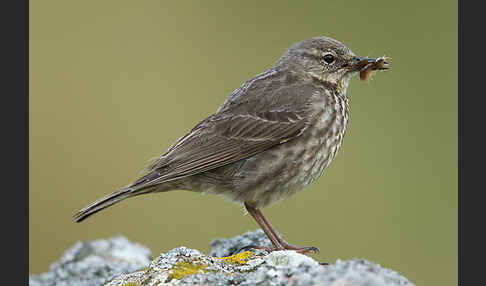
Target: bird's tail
(104, 202)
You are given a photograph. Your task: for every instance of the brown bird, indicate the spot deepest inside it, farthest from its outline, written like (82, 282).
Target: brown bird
(272, 136)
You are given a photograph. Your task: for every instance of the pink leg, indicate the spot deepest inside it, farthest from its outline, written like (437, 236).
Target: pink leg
(278, 242)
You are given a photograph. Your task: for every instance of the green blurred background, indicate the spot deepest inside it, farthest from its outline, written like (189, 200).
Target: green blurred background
(115, 83)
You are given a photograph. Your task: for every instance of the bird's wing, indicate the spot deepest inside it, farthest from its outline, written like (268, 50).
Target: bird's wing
(266, 111)
(221, 140)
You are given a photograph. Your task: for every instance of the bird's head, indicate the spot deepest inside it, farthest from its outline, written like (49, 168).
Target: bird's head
(328, 61)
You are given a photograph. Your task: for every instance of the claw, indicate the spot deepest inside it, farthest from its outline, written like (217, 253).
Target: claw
(306, 249)
(313, 249)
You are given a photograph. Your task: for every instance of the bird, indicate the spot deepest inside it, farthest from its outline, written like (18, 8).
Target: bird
(272, 137)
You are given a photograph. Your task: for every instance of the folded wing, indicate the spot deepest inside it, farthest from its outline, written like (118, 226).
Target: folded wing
(222, 139)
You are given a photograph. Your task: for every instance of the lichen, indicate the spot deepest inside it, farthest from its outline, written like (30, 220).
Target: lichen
(240, 258)
(183, 269)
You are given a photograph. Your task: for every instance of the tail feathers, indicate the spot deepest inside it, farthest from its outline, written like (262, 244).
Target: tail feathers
(104, 202)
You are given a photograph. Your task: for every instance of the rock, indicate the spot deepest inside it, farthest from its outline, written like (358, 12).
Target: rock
(93, 263)
(183, 266)
(224, 247)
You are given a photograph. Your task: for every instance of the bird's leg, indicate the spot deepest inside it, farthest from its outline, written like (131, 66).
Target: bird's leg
(257, 215)
(284, 243)
(275, 237)
(280, 239)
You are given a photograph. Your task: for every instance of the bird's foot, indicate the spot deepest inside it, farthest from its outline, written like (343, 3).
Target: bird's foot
(302, 250)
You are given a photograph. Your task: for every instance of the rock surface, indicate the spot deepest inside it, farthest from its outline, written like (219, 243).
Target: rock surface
(93, 263)
(183, 266)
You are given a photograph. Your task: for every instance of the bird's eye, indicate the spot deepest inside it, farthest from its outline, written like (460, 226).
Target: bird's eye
(328, 58)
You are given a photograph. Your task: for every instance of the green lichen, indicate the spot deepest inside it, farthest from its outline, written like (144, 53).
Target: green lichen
(183, 269)
(239, 259)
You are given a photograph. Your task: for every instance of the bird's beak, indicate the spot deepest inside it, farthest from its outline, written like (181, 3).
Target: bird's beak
(361, 64)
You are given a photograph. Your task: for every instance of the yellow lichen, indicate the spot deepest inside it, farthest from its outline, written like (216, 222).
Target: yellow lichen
(131, 284)
(239, 258)
(183, 269)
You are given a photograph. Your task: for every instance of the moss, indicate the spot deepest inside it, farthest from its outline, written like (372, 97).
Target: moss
(183, 269)
(239, 258)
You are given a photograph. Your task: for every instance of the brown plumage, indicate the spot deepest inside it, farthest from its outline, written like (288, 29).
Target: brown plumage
(272, 137)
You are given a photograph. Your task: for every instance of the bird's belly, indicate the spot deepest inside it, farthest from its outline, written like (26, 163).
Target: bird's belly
(281, 171)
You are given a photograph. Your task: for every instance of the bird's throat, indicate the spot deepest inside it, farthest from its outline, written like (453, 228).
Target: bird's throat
(338, 84)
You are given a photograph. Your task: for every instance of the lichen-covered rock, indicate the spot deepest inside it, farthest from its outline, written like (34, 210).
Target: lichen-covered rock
(183, 266)
(190, 267)
(225, 247)
(94, 263)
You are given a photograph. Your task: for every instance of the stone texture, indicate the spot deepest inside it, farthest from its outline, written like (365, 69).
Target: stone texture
(93, 263)
(227, 266)
(224, 247)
